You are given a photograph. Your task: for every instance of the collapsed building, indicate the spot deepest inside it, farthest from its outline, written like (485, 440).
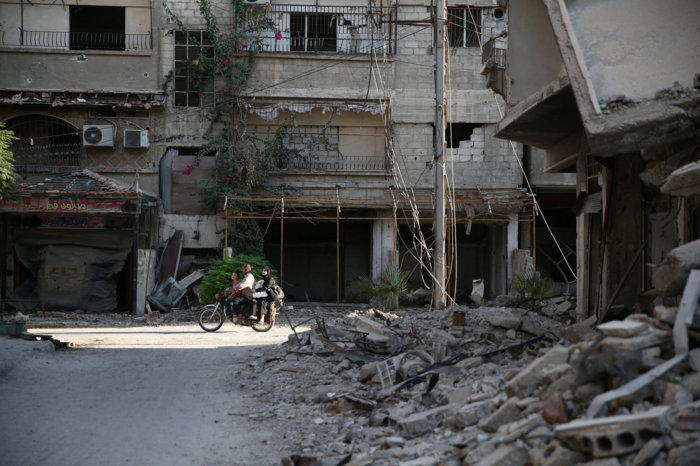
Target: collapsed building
(617, 103)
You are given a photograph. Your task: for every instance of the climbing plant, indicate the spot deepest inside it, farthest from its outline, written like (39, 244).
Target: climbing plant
(243, 160)
(8, 175)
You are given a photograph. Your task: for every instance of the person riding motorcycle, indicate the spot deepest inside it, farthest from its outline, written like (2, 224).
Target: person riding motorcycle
(245, 286)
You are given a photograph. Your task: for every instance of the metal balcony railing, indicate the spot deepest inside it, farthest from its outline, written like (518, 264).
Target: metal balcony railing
(493, 55)
(46, 158)
(340, 164)
(339, 29)
(85, 40)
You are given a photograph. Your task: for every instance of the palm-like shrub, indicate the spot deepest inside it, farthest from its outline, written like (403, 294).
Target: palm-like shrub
(533, 287)
(391, 286)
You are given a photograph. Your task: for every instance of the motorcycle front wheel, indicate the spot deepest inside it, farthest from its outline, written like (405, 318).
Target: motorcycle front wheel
(211, 318)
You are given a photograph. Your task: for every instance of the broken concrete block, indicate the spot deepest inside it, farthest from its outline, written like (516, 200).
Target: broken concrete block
(519, 428)
(424, 421)
(469, 414)
(504, 318)
(691, 382)
(672, 274)
(528, 379)
(686, 417)
(648, 452)
(665, 314)
(555, 454)
(507, 413)
(581, 331)
(554, 371)
(652, 338)
(554, 410)
(622, 328)
(694, 359)
(460, 395)
(614, 435)
(605, 462)
(564, 307)
(685, 455)
(676, 395)
(515, 454)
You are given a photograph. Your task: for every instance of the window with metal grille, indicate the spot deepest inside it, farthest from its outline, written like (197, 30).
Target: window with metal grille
(464, 28)
(44, 143)
(316, 32)
(97, 27)
(192, 88)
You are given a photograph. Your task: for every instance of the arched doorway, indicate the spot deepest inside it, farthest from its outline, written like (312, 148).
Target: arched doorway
(44, 143)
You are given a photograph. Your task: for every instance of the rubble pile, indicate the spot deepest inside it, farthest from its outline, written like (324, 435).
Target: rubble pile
(510, 386)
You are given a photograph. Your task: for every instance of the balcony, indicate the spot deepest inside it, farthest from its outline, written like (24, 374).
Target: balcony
(493, 59)
(357, 164)
(328, 29)
(67, 40)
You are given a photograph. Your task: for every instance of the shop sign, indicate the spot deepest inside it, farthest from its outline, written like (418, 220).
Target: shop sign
(45, 204)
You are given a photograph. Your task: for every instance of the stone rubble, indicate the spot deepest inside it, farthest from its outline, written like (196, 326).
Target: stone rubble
(409, 388)
(510, 387)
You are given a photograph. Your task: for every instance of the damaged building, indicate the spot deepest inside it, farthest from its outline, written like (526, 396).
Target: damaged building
(123, 102)
(615, 102)
(79, 89)
(360, 83)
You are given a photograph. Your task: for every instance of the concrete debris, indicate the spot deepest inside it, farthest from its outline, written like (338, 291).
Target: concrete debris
(409, 388)
(451, 395)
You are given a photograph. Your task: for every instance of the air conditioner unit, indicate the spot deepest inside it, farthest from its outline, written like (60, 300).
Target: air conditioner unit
(135, 138)
(256, 2)
(98, 135)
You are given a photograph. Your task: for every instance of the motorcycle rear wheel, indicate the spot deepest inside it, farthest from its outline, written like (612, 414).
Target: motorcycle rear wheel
(211, 318)
(265, 326)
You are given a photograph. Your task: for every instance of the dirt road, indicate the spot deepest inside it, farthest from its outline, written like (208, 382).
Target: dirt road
(138, 395)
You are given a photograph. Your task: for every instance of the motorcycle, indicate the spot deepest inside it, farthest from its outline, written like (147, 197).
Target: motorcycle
(212, 316)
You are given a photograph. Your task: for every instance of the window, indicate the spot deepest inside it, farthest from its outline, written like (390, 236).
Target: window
(192, 89)
(96, 28)
(44, 143)
(464, 28)
(313, 32)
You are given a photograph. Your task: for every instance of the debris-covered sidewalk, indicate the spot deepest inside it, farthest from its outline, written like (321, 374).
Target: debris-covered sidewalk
(510, 386)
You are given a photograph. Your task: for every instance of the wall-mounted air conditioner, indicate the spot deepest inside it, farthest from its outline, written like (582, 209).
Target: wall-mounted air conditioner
(256, 2)
(135, 138)
(98, 135)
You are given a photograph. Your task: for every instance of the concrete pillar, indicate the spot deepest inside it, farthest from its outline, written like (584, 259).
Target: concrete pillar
(145, 279)
(382, 244)
(511, 246)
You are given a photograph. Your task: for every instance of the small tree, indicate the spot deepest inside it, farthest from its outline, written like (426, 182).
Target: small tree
(533, 287)
(391, 286)
(8, 175)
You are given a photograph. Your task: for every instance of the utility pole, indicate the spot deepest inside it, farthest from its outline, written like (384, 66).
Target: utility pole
(439, 295)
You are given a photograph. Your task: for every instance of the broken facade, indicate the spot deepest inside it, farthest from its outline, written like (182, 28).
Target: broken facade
(615, 102)
(81, 103)
(370, 145)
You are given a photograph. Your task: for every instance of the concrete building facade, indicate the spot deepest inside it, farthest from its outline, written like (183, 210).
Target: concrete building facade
(360, 82)
(363, 96)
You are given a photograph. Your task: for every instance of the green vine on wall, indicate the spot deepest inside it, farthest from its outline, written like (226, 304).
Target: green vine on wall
(243, 160)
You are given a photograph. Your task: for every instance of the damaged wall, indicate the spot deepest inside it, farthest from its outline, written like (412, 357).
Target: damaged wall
(627, 47)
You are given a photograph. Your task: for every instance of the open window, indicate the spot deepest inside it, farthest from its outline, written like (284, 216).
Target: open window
(313, 32)
(97, 27)
(464, 28)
